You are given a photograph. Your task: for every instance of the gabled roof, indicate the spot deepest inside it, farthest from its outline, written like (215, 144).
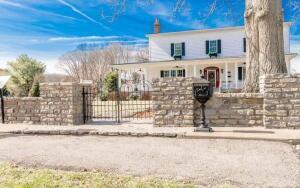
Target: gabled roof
(206, 30)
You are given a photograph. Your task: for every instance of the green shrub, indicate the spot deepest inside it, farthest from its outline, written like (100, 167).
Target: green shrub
(25, 73)
(111, 81)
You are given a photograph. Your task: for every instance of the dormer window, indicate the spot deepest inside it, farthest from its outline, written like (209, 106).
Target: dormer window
(178, 50)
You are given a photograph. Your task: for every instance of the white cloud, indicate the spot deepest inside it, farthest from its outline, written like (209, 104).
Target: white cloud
(85, 38)
(96, 40)
(11, 4)
(158, 9)
(37, 11)
(82, 14)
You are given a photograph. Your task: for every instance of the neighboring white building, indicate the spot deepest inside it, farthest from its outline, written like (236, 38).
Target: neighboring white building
(217, 55)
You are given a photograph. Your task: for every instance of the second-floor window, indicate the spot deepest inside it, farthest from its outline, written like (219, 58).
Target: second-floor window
(178, 49)
(213, 46)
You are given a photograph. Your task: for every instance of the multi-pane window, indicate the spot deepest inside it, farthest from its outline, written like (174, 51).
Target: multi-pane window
(178, 49)
(173, 73)
(166, 74)
(213, 46)
(180, 73)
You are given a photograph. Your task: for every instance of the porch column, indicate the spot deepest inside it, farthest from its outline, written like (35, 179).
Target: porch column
(226, 75)
(288, 65)
(236, 75)
(145, 74)
(195, 71)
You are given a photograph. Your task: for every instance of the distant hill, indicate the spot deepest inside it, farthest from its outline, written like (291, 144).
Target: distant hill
(3, 72)
(56, 78)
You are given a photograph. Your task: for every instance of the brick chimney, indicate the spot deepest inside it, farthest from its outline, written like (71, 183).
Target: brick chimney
(156, 26)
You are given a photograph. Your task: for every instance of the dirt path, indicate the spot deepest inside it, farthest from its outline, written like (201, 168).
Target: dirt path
(206, 162)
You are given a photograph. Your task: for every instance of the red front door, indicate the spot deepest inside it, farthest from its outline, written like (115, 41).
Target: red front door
(212, 74)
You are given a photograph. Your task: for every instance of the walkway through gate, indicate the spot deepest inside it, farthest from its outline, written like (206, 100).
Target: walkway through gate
(129, 101)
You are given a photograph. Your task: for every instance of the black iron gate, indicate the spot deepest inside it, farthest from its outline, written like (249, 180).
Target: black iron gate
(129, 101)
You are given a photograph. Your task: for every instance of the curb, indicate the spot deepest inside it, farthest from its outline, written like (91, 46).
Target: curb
(94, 133)
(182, 135)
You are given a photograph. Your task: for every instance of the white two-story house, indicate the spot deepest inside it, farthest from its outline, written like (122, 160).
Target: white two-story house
(217, 55)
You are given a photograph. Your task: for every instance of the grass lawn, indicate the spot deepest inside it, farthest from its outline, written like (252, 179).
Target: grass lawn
(20, 177)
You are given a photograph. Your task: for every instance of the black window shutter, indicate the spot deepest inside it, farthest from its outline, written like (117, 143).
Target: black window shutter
(240, 73)
(245, 45)
(219, 47)
(207, 47)
(172, 49)
(161, 74)
(183, 73)
(183, 49)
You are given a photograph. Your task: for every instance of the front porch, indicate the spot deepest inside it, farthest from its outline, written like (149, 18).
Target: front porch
(224, 76)
(224, 73)
(227, 73)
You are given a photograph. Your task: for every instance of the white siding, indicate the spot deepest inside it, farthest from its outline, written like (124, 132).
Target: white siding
(195, 48)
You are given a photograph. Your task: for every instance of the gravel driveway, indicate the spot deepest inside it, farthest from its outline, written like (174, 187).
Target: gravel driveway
(205, 162)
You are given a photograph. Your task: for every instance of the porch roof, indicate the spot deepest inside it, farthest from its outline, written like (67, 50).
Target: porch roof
(237, 59)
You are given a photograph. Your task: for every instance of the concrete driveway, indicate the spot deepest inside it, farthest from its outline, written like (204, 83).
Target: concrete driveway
(207, 162)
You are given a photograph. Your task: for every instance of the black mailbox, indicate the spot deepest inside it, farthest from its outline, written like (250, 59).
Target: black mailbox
(202, 93)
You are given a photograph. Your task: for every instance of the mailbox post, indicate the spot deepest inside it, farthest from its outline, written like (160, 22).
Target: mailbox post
(202, 93)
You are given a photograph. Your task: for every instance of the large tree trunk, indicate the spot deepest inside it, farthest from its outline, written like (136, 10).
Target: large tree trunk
(252, 55)
(269, 45)
(264, 33)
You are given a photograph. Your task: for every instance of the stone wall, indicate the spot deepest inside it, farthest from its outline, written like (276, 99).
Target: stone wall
(174, 105)
(62, 103)
(173, 102)
(276, 106)
(233, 110)
(281, 100)
(59, 104)
(22, 110)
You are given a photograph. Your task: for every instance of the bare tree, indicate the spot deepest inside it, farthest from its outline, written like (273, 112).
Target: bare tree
(142, 55)
(85, 65)
(94, 64)
(118, 54)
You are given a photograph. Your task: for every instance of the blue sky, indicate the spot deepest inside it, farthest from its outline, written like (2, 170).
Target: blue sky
(46, 29)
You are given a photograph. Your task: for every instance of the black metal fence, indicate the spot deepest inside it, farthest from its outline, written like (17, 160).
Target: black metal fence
(129, 101)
